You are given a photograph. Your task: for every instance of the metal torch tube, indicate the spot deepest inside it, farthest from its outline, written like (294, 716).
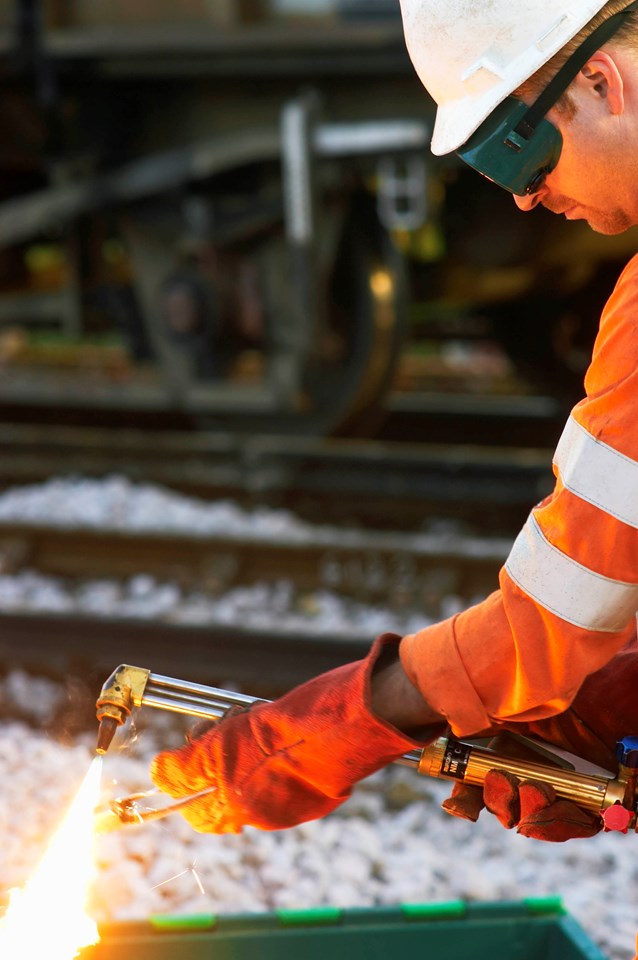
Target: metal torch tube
(469, 763)
(190, 703)
(194, 699)
(175, 705)
(156, 682)
(159, 696)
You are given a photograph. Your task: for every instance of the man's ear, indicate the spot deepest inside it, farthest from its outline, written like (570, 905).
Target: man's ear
(601, 77)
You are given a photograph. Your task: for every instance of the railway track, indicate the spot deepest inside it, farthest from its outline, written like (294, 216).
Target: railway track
(363, 506)
(489, 419)
(359, 563)
(85, 650)
(401, 572)
(373, 483)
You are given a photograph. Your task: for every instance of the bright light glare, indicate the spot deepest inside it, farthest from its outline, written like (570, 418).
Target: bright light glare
(381, 284)
(47, 918)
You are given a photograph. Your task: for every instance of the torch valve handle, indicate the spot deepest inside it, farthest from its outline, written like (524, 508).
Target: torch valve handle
(627, 752)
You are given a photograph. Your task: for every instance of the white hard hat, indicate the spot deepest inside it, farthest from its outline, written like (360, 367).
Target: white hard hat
(471, 54)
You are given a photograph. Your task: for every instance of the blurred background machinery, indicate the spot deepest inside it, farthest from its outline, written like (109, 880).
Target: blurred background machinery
(225, 215)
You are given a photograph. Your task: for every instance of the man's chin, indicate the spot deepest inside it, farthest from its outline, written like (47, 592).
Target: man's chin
(609, 229)
(608, 224)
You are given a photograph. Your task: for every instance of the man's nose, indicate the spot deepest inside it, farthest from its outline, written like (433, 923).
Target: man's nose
(528, 202)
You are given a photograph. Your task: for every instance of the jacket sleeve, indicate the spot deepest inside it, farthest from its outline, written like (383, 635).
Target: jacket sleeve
(604, 710)
(569, 589)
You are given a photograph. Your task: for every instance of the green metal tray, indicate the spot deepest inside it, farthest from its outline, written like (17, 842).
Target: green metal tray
(523, 930)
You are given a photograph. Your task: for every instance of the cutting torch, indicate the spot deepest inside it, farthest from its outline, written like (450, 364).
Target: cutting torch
(447, 758)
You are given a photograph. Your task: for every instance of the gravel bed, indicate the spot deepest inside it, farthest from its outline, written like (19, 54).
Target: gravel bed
(117, 503)
(278, 606)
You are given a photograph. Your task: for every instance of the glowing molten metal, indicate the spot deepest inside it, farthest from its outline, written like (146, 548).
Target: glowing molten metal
(47, 917)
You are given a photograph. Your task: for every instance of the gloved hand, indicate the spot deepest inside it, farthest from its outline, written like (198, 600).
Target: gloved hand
(295, 759)
(529, 805)
(604, 710)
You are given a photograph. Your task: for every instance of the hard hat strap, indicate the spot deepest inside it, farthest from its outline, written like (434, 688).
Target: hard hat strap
(558, 84)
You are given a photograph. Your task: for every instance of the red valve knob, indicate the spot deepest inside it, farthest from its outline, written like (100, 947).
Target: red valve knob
(616, 817)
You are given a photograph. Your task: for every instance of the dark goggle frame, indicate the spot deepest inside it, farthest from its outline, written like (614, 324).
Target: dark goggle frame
(516, 147)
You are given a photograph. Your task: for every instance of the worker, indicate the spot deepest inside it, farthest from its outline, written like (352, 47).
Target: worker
(541, 97)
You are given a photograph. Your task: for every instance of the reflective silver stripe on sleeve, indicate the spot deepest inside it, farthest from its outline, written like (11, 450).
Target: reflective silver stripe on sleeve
(597, 473)
(566, 588)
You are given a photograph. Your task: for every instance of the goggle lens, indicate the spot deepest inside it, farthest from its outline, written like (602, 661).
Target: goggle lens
(537, 182)
(511, 160)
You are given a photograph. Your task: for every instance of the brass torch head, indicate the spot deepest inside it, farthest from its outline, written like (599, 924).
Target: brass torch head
(123, 690)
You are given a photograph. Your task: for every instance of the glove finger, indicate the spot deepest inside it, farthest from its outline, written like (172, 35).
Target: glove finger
(178, 773)
(211, 815)
(225, 811)
(200, 729)
(500, 793)
(204, 726)
(562, 820)
(465, 801)
(534, 796)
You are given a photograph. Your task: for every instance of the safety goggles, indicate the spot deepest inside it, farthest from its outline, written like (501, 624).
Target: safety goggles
(517, 147)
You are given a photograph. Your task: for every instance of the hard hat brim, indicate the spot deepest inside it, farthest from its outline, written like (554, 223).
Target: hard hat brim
(456, 121)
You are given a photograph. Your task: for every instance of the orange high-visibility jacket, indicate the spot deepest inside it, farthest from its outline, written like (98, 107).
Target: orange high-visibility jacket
(569, 589)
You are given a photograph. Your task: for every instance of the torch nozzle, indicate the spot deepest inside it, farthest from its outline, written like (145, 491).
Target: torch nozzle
(106, 731)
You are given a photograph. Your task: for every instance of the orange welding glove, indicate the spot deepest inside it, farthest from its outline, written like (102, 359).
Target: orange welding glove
(604, 710)
(529, 805)
(295, 759)
(533, 808)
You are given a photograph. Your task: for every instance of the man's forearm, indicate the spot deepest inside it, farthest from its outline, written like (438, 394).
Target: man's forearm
(395, 699)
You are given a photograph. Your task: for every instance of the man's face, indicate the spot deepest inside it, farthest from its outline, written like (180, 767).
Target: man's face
(596, 178)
